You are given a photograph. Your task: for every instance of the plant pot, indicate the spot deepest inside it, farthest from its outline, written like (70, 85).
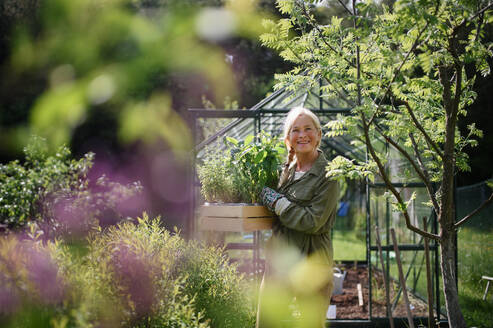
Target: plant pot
(235, 217)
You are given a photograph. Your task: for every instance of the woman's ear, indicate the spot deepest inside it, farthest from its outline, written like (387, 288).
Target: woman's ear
(319, 137)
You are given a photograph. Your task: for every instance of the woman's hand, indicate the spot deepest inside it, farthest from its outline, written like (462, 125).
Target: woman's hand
(269, 197)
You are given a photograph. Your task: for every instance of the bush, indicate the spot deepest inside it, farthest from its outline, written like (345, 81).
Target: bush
(56, 190)
(130, 275)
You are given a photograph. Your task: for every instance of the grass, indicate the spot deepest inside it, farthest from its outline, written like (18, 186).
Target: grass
(475, 259)
(348, 246)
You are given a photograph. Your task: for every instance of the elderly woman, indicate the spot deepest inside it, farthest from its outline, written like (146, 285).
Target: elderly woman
(306, 204)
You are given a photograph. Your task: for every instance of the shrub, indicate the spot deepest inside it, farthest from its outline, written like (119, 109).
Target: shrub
(56, 190)
(241, 170)
(130, 275)
(219, 291)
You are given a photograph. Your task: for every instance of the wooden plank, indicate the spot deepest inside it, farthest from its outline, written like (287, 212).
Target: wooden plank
(234, 211)
(331, 312)
(360, 295)
(385, 279)
(429, 282)
(402, 280)
(234, 224)
(486, 290)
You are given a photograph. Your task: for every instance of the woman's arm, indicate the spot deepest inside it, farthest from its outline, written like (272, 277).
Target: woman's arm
(311, 218)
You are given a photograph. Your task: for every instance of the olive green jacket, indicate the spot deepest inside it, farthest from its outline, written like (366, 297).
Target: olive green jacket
(306, 223)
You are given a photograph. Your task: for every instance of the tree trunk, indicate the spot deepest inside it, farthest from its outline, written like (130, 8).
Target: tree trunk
(447, 250)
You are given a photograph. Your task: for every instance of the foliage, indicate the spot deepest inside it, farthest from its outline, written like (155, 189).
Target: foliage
(218, 288)
(398, 78)
(131, 275)
(342, 168)
(241, 170)
(56, 190)
(128, 70)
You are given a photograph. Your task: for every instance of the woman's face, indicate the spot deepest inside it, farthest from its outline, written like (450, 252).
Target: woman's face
(303, 136)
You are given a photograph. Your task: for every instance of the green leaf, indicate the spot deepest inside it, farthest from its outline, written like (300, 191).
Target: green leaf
(232, 141)
(249, 139)
(260, 156)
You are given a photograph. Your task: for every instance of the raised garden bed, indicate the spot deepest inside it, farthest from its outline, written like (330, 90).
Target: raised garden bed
(348, 305)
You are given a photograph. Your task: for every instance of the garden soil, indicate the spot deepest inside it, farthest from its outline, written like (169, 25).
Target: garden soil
(348, 305)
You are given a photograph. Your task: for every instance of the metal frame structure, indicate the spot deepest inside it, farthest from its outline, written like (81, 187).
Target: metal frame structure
(268, 115)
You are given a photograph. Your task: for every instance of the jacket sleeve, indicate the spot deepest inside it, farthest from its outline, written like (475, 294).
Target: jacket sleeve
(314, 215)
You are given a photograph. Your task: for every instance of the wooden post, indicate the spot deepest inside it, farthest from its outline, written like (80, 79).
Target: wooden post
(360, 295)
(428, 276)
(488, 279)
(402, 279)
(385, 279)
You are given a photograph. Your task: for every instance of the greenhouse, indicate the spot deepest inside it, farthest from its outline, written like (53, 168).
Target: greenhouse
(363, 207)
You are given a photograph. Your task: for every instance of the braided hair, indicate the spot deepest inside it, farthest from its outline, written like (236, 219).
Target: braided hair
(288, 124)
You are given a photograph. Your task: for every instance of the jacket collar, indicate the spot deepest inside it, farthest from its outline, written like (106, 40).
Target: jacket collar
(317, 168)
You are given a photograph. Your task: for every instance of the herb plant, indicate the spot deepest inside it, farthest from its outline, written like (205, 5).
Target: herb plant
(239, 172)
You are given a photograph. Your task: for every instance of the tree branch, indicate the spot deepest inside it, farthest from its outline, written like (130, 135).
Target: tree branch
(429, 187)
(315, 25)
(389, 185)
(476, 211)
(421, 129)
(478, 13)
(349, 102)
(413, 48)
(358, 62)
(345, 7)
(419, 170)
(458, 88)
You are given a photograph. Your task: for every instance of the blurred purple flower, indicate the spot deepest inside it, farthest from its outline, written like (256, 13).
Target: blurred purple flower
(43, 274)
(134, 275)
(71, 219)
(9, 297)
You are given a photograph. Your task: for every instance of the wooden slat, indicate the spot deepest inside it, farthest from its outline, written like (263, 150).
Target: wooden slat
(235, 211)
(207, 223)
(360, 295)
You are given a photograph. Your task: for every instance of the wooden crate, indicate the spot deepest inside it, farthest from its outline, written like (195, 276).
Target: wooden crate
(235, 217)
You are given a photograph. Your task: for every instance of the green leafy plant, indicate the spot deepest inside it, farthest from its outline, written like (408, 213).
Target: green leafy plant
(134, 274)
(241, 170)
(44, 185)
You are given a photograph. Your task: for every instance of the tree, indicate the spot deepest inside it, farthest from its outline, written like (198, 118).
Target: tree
(402, 68)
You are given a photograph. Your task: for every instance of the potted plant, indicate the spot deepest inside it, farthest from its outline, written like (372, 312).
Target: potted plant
(232, 179)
